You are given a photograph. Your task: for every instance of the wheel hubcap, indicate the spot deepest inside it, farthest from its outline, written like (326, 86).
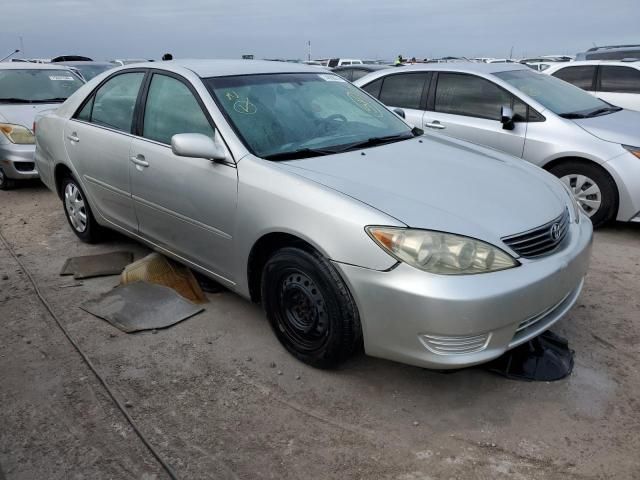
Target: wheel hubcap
(585, 191)
(76, 209)
(303, 319)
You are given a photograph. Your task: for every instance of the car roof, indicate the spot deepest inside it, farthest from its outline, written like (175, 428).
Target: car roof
(80, 63)
(224, 68)
(31, 66)
(461, 67)
(359, 66)
(623, 63)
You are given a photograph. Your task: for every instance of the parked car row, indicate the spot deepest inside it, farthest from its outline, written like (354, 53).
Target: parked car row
(25, 90)
(592, 146)
(297, 190)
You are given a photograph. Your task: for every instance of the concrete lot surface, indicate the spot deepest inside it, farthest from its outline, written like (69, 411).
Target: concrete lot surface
(219, 398)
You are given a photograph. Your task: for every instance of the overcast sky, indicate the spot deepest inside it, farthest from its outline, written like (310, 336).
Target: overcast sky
(106, 29)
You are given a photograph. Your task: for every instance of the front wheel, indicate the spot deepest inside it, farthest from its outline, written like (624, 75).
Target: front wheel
(78, 212)
(592, 187)
(310, 308)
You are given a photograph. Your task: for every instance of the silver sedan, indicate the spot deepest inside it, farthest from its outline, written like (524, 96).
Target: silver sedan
(296, 189)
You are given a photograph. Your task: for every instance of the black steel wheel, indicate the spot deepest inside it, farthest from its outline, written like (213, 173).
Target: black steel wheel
(309, 307)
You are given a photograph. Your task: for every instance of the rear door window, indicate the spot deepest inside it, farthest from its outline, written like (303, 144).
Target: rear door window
(462, 94)
(619, 79)
(114, 103)
(171, 108)
(582, 77)
(404, 90)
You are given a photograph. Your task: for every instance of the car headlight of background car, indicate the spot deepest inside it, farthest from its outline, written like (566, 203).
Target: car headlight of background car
(17, 134)
(633, 150)
(441, 253)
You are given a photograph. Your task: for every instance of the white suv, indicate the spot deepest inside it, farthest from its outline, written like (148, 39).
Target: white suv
(616, 82)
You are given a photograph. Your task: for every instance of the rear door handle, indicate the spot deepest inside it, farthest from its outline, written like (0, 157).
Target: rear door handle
(435, 124)
(139, 161)
(73, 137)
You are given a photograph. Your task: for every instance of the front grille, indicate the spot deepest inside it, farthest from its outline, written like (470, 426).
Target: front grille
(24, 166)
(455, 345)
(540, 240)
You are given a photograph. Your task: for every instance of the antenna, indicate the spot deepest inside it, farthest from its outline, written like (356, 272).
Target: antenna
(10, 55)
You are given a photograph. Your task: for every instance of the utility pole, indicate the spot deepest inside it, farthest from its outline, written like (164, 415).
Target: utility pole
(309, 50)
(511, 54)
(21, 45)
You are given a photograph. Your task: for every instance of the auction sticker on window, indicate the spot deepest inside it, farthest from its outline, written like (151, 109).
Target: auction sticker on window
(61, 78)
(332, 78)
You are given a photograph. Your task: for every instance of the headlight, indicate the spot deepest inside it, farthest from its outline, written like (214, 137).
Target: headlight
(442, 253)
(576, 208)
(17, 134)
(633, 150)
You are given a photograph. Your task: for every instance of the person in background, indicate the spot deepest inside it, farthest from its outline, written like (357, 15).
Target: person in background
(167, 56)
(399, 60)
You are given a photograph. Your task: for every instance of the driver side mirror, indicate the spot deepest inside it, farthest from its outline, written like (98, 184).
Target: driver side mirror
(197, 145)
(399, 112)
(506, 118)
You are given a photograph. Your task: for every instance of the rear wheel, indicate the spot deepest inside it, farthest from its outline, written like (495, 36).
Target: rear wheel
(310, 308)
(592, 187)
(5, 182)
(79, 213)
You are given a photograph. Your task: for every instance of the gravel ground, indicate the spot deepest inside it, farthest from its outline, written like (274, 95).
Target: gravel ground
(219, 398)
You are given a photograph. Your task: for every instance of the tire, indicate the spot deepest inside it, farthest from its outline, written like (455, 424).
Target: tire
(6, 183)
(310, 308)
(582, 177)
(75, 205)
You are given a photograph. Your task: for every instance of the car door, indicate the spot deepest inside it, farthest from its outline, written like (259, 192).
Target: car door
(185, 205)
(98, 141)
(407, 91)
(619, 86)
(469, 107)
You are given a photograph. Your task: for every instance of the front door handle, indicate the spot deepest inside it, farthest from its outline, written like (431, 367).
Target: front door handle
(73, 138)
(139, 161)
(435, 124)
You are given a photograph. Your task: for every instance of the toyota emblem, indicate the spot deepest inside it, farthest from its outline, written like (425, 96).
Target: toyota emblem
(555, 231)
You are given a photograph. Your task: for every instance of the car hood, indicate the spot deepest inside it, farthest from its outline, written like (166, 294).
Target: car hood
(619, 127)
(23, 114)
(443, 184)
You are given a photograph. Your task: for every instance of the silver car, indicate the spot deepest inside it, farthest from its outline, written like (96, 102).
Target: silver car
(295, 189)
(591, 145)
(25, 90)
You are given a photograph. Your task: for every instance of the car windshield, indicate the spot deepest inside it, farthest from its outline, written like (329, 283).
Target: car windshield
(90, 71)
(557, 95)
(285, 116)
(37, 86)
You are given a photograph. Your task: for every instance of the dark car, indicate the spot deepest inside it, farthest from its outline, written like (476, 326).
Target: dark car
(354, 72)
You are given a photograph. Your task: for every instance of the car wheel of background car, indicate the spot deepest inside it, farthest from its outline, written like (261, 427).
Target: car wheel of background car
(592, 187)
(78, 212)
(6, 183)
(310, 308)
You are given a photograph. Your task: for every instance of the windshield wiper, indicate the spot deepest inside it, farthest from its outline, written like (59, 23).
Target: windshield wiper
(26, 100)
(49, 100)
(296, 154)
(15, 100)
(572, 115)
(374, 141)
(603, 110)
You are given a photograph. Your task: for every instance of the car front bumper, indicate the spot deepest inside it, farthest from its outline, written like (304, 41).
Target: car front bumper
(445, 321)
(625, 170)
(18, 161)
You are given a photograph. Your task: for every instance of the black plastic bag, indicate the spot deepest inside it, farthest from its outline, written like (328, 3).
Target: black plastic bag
(544, 359)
